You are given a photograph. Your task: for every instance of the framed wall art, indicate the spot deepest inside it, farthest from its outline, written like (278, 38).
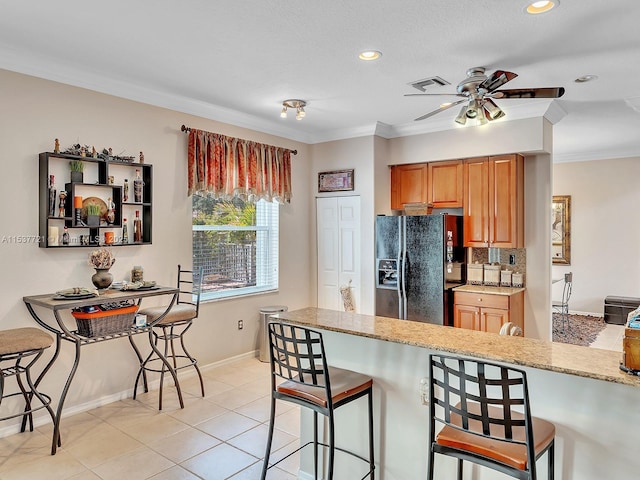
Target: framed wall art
(561, 229)
(335, 181)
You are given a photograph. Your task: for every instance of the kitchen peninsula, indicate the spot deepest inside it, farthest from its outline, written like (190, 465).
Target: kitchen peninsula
(581, 390)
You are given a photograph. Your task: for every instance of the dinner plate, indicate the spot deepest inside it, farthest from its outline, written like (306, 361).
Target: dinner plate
(93, 201)
(73, 296)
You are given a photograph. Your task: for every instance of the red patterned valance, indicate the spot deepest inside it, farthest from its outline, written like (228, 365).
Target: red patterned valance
(226, 167)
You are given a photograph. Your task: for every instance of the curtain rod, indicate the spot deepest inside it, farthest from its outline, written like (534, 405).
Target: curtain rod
(186, 129)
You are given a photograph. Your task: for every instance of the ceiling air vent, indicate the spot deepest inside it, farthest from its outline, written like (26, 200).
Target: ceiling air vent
(429, 82)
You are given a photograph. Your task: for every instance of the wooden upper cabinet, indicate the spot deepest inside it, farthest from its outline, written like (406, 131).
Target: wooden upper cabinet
(494, 202)
(408, 184)
(445, 182)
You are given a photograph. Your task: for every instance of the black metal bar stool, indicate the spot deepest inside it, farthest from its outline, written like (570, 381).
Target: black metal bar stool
(297, 356)
(172, 328)
(16, 345)
(475, 402)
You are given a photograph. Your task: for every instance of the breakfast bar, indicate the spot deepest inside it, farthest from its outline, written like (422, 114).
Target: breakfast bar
(581, 390)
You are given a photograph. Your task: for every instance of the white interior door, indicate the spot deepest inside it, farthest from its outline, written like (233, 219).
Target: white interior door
(338, 227)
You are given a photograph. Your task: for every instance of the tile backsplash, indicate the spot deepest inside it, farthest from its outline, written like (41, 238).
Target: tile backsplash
(502, 256)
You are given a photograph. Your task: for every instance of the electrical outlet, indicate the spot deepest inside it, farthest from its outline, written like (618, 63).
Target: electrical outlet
(424, 391)
(240, 324)
(512, 259)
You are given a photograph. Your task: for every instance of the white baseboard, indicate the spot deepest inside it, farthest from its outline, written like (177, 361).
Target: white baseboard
(591, 314)
(44, 418)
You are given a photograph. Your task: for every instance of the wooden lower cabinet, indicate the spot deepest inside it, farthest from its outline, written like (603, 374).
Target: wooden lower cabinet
(487, 312)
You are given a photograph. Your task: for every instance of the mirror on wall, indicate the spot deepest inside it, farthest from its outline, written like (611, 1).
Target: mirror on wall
(561, 229)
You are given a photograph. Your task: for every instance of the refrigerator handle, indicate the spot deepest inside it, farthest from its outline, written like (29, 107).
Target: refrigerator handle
(403, 266)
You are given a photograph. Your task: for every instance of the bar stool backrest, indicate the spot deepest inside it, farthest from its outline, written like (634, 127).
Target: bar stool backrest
(297, 354)
(478, 397)
(190, 286)
(568, 286)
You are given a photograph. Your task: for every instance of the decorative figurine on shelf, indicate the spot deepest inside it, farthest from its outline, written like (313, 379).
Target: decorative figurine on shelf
(125, 191)
(61, 204)
(94, 154)
(137, 187)
(141, 157)
(83, 152)
(125, 232)
(52, 196)
(137, 228)
(110, 152)
(111, 212)
(65, 236)
(56, 146)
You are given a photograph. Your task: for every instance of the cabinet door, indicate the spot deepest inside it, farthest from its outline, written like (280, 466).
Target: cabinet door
(446, 184)
(476, 202)
(408, 184)
(465, 316)
(506, 205)
(492, 319)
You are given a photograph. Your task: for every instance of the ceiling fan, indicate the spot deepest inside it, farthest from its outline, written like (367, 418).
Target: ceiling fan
(478, 91)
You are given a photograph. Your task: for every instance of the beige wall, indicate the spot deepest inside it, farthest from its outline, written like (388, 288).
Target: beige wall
(34, 112)
(605, 230)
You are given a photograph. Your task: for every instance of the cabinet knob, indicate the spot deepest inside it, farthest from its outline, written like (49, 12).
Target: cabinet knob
(479, 299)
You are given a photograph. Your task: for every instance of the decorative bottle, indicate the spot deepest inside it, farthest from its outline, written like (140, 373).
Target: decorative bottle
(137, 228)
(52, 196)
(125, 231)
(65, 236)
(125, 191)
(137, 188)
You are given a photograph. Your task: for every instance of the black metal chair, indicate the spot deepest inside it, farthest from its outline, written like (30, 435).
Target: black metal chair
(474, 401)
(562, 306)
(297, 356)
(16, 345)
(171, 328)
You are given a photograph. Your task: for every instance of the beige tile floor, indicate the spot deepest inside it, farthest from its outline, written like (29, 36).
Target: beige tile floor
(221, 436)
(610, 338)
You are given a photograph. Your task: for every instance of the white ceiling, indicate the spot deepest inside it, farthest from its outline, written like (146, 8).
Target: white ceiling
(237, 60)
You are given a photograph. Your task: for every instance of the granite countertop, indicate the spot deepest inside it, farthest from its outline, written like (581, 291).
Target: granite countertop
(556, 357)
(488, 289)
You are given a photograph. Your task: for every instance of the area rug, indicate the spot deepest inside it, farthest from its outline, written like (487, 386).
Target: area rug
(582, 329)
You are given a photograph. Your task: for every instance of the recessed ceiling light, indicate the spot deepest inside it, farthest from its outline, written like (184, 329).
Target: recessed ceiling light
(541, 6)
(370, 55)
(586, 78)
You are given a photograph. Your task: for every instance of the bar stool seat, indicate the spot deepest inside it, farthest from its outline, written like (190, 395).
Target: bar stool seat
(179, 313)
(513, 454)
(15, 345)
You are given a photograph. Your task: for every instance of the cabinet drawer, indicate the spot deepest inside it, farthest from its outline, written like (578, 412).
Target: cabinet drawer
(482, 300)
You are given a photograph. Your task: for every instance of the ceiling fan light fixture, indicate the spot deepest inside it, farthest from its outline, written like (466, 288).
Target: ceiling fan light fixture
(283, 112)
(492, 110)
(369, 55)
(541, 6)
(462, 116)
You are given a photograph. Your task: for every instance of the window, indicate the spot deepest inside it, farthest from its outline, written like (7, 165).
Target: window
(236, 244)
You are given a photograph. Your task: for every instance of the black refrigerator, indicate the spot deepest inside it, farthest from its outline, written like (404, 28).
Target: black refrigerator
(419, 258)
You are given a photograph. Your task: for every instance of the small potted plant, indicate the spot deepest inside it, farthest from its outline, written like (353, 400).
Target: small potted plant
(77, 169)
(102, 260)
(93, 215)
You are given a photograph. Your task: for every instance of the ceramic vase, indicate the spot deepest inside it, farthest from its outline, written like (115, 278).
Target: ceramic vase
(102, 278)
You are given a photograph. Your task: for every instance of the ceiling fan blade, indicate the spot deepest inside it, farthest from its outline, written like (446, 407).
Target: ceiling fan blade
(441, 109)
(433, 94)
(497, 79)
(552, 92)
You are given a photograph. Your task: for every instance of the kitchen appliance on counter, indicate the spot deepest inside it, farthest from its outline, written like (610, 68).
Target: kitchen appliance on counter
(419, 259)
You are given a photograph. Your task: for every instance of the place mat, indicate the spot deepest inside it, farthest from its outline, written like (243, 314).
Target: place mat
(77, 296)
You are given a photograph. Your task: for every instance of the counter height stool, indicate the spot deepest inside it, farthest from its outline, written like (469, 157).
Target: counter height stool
(297, 357)
(562, 306)
(171, 328)
(475, 402)
(15, 345)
